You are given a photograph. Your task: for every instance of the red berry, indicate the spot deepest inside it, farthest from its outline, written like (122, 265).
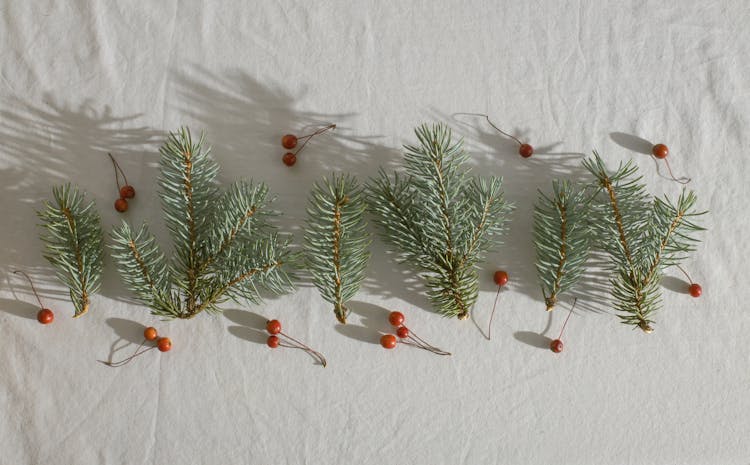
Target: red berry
(500, 277)
(402, 332)
(695, 290)
(45, 316)
(150, 333)
(396, 318)
(127, 191)
(273, 341)
(273, 326)
(660, 151)
(164, 344)
(121, 205)
(388, 341)
(289, 159)
(556, 346)
(525, 150)
(289, 141)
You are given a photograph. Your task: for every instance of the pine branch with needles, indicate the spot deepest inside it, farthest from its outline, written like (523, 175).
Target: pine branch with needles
(72, 236)
(642, 235)
(439, 218)
(561, 239)
(336, 240)
(224, 246)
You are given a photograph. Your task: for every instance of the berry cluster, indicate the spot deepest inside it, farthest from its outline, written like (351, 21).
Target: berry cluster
(126, 191)
(150, 334)
(274, 329)
(389, 341)
(289, 142)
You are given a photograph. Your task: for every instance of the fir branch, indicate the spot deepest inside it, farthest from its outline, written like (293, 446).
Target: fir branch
(144, 269)
(641, 236)
(224, 247)
(561, 239)
(336, 240)
(73, 243)
(439, 218)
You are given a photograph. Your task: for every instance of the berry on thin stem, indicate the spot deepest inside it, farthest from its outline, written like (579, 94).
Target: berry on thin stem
(556, 346)
(164, 344)
(524, 149)
(121, 205)
(289, 159)
(396, 318)
(289, 141)
(661, 151)
(150, 333)
(388, 341)
(501, 279)
(694, 289)
(44, 316)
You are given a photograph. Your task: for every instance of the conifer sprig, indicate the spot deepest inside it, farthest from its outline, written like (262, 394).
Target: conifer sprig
(336, 240)
(641, 235)
(224, 246)
(561, 239)
(439, 218)
(72, 239)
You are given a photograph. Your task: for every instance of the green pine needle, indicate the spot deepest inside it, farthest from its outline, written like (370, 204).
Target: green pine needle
(440, 219)
(72, 239)
(336, 240)
(224, 247)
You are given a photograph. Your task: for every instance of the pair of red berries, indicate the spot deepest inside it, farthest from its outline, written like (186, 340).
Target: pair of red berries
(407, 337)
(274, 329)
(44, 316)
(289, 141)
(150, 334)
(126, 191)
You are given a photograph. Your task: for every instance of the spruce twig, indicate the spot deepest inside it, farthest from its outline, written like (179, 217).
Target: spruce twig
(73, 243)
(224, 246)
(561, 239)
(439, 218)
(336, 240)
(642, 236)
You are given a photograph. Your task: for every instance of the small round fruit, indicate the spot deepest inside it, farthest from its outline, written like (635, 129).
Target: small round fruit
(695, 290)
(402, 332)
(660, 151)
(150, 333)
(289, 159)
(556, 346)
(396, 318)
(273, 326)
(500, 277)
(164, 344)
(388, 341)
(289, 141)
(121, 205)
(127, 191)
(526, 150)
(273, 341)
(45, 316)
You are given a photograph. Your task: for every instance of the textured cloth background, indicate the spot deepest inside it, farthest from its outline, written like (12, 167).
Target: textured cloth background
(78, 79)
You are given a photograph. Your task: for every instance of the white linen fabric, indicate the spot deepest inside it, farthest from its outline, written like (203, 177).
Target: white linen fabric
(82, 78)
